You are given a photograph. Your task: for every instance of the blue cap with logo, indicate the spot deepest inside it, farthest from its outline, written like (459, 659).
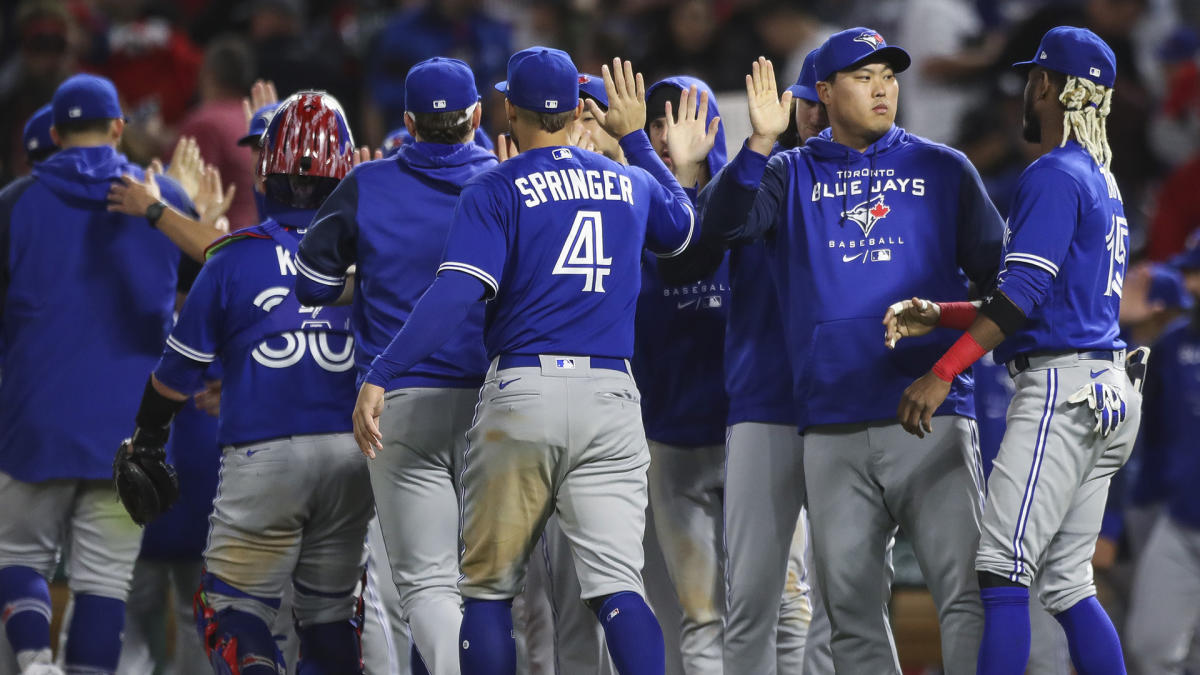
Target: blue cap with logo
(439, 84)
(593, 86)
(1075, 51)
(36, 137)
(806, 84)
(541, 79)
(258, 125)
(854, 45)
(86, 97)
(1167, 289)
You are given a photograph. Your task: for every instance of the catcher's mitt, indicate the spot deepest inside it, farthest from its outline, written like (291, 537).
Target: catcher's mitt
(146, 484)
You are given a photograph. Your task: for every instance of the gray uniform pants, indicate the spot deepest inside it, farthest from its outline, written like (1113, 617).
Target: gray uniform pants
(1166, 600)
(566, 438)
(864, 481)
(765, 547)
(1049, 483)
(415, 483)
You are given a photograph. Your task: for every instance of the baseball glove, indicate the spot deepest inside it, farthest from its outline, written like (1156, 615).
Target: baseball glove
(145, 482)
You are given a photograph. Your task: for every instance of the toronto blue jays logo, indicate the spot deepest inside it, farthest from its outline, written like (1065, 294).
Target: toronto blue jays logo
(868, 213)
(875, 40)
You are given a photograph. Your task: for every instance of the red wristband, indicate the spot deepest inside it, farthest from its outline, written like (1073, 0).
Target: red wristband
(957, 315)
(958, 358)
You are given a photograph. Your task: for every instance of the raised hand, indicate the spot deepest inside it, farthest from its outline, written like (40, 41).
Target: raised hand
(187, 167)
(506, 147)
(626, 100)
(364, 154)
(909, 318)
(212, 201)
(262, 93)
(689, 139)
(769, 112)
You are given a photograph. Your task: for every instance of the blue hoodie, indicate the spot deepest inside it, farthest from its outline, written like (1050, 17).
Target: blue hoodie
(680, 333)
(86, 299)
(391, 218)
(848, 234)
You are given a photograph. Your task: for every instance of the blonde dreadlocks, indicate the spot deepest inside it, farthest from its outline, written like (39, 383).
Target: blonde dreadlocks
(1088, 105)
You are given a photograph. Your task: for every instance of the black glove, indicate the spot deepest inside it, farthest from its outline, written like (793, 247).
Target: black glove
(146, 484)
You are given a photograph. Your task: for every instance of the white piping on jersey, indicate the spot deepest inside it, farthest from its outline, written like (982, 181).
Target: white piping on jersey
(1035, 260)
(688, 240)
(325, 279)
(474, 271)
(193, 354)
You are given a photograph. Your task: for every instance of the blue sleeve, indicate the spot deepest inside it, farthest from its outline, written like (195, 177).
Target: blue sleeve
(173, 194)
(744, 197)
(434, 319)
(478, 241)
(330, 246)
(1044, 216)
(1026, 285)
(195, 340)
(672, 219)
(8, 201)
(980, 229)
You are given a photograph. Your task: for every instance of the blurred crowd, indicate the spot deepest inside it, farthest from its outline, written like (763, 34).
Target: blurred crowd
(182, 67)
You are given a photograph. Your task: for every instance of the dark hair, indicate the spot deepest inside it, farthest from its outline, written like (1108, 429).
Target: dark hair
(230, 63)
(443, 127)
(73, 127)
(548, 122)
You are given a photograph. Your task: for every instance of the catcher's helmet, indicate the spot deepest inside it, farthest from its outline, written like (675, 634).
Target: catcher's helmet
(307, 149)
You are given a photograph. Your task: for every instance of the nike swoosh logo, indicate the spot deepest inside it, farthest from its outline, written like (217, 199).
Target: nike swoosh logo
(1098, 373)
(504, 384)
(686, 303)
(848, 258)
(250, 453)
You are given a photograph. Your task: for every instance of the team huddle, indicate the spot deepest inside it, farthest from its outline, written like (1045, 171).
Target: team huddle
(601, 338)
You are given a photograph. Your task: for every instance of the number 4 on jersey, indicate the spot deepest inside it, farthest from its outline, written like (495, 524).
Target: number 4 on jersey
(583, 252)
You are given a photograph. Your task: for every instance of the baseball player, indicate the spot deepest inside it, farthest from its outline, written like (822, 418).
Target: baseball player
(764, 474)
(1053, 320)
(429, 408)
(558, 424)
(862, 210)
(679, 340)
(294, 500)
(1164, 612)
(76, 327)
(36, 135)
(254, 140)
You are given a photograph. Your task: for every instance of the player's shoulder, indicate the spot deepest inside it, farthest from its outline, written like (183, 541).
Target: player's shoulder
(933, 151)
(1058, 169)
(236, 245)
(10, 193)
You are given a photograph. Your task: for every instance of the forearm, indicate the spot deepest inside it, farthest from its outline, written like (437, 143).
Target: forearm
(190, 235)
(729, 212)
(640, 153)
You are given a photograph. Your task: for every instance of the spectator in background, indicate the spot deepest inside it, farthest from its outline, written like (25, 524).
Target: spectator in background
(219, 121)
(684, 41)
(455, 28)
(45, 57)
(1175, 130)
(988, 137)
(36, 138)
(1173, 218)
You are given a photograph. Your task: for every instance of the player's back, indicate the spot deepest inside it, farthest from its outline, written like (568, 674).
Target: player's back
(87, 302)
(560, 248)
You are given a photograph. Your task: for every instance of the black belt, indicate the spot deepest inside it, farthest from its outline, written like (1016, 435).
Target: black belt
(564, 362)
(1020, 362)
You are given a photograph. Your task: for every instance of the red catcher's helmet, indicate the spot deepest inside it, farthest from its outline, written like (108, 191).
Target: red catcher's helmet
(307, 149)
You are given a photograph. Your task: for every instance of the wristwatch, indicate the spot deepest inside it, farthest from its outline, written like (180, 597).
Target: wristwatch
(155, 211)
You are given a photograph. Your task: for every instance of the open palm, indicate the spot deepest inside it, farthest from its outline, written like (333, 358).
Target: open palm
(769, 112)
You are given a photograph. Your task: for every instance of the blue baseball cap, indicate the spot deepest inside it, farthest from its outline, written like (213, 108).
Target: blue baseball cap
(86, 97)
(439, 84)
(36, 136)
(806, 84)
(1190, 258)
(854, 45)
(1075, 51)
(1181, 45)
(593, 86)
(541, 79)
(258, 125)
(1167, 289)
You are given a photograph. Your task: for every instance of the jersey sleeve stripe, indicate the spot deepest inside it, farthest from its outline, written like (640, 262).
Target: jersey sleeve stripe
(188, 352)
(316, 276)
(686, 241)
(474, 271)
(1035, 260)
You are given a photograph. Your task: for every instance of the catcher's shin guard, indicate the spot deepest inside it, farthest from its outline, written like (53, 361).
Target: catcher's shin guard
(236, 642)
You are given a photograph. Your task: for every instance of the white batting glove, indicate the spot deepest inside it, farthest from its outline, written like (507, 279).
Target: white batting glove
(1106, 402)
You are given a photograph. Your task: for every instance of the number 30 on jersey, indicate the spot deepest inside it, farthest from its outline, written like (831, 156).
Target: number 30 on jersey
(583, 252)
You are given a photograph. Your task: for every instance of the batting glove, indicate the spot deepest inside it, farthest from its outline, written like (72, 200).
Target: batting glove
(1106, 402)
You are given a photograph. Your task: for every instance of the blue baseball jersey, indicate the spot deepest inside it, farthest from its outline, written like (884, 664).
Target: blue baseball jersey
(86, 300)
(848, 234)
(288, 368)
(1169, 468)
(1067, 221)
(397, 252)
(556, 236)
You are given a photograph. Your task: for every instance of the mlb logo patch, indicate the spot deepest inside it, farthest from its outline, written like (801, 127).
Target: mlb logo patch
(881, 255)
(33, 144)
(552, 103)
(439, 104)
(566, 364)
(561, 153)
(75, 112)
(1043, 57)
(1094, 72)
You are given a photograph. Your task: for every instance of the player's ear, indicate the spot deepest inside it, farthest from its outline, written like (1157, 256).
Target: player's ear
(824, 91)
(54, 136)
(510, 111)
(116, 129)
(578, 110)
(410, 123)
(477, 116)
